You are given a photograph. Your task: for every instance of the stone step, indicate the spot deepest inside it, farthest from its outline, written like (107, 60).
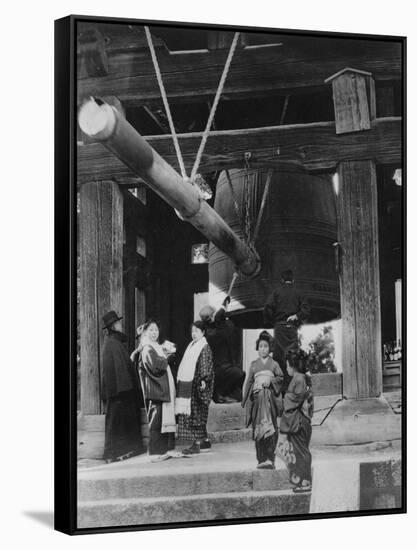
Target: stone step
(128, 484)
(224, 417)
(216, 506)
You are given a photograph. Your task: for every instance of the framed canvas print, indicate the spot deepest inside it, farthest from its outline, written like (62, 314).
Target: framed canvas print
(230, 284)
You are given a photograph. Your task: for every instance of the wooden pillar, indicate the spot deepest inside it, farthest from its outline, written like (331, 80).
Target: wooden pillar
(101, 259)
(354, 105)
(360, 289)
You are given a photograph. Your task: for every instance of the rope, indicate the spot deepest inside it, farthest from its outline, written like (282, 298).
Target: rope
(165, 101)
(246, 191)
(258, 221)
(235, 276)
(214, 106)
(262, 207)
(236, 206)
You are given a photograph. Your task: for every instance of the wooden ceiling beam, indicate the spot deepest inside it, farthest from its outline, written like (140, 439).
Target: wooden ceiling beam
(195, 76)
(313, 146)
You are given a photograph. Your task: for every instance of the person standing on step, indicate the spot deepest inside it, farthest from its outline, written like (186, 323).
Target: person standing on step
(295, 426)
(158, 388)
(285, 310)
(261, 396)
(228, 377)
(120, 393)
(195, 382)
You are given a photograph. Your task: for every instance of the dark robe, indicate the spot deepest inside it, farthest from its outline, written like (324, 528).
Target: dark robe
(120, 392)
(283, 303)
(194, 427)
(228, 377)
(296, 423)
(263, 407)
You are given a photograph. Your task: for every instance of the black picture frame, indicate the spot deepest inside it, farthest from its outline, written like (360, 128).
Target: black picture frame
(66, 276)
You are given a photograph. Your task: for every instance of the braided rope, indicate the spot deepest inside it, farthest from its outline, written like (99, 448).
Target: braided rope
(165, 101)
(235, 204)
(214, 106)
(262, 207)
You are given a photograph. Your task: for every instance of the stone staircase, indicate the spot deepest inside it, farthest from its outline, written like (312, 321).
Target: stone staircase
(222, 484)
(225, 484)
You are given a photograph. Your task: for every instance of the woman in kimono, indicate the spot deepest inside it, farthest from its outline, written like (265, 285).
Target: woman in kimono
(195, 382)
(295, 427)
(158, 390)
(261, 393)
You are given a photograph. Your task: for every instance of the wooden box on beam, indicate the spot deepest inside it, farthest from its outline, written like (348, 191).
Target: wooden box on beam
(354, 100)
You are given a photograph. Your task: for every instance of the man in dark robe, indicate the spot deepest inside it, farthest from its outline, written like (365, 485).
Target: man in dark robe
(285, 310)
(120, 393)
(228, 376)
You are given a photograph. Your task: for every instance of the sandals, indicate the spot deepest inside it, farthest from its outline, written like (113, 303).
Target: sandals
(302, 489)
(160, 458)
(120, 458)
(267, 465)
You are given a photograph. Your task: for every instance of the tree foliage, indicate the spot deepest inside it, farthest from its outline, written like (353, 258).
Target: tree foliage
(321, 352)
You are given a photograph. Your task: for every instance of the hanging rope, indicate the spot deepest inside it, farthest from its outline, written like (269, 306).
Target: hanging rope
(214, 106)
(165, 101)
(235, 204)
(262, 207)
(251, 242)
(246, 193)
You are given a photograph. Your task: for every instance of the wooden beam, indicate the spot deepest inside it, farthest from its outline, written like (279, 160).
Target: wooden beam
(360, 289)
(101, 257)
(219, 40)
(313, 146)
(385, 100)
(195, 76)
(92, 54)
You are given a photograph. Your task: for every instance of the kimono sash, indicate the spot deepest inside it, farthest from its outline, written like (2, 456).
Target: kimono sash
(185, 376)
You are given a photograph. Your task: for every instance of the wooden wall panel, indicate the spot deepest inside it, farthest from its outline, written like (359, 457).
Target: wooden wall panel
(101, 258)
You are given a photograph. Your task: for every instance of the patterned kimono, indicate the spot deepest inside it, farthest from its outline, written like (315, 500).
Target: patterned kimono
(263, 406)
(194, 427)
(296, 423)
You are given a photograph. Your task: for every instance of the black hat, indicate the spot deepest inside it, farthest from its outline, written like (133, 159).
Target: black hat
(287, 275)
(110, 318)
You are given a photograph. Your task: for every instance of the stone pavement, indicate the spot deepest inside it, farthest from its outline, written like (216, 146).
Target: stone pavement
(225, 484)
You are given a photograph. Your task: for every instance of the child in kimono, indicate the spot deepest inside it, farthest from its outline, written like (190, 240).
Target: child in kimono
(295, 427)
(262, 389)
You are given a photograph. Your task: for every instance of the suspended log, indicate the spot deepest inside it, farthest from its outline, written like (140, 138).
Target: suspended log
(104, 123)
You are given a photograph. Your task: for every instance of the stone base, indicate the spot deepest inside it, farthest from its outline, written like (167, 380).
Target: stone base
(224, 417)
(358, 421)
(336, 421)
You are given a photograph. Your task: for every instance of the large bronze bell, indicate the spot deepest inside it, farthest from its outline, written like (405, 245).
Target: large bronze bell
(297, 231)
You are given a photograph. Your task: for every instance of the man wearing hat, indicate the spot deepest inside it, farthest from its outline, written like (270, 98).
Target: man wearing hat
(120, 392)
(285, 310)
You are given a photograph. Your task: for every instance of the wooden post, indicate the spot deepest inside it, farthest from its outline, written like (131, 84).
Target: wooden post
(101, 258)
(360, 290)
